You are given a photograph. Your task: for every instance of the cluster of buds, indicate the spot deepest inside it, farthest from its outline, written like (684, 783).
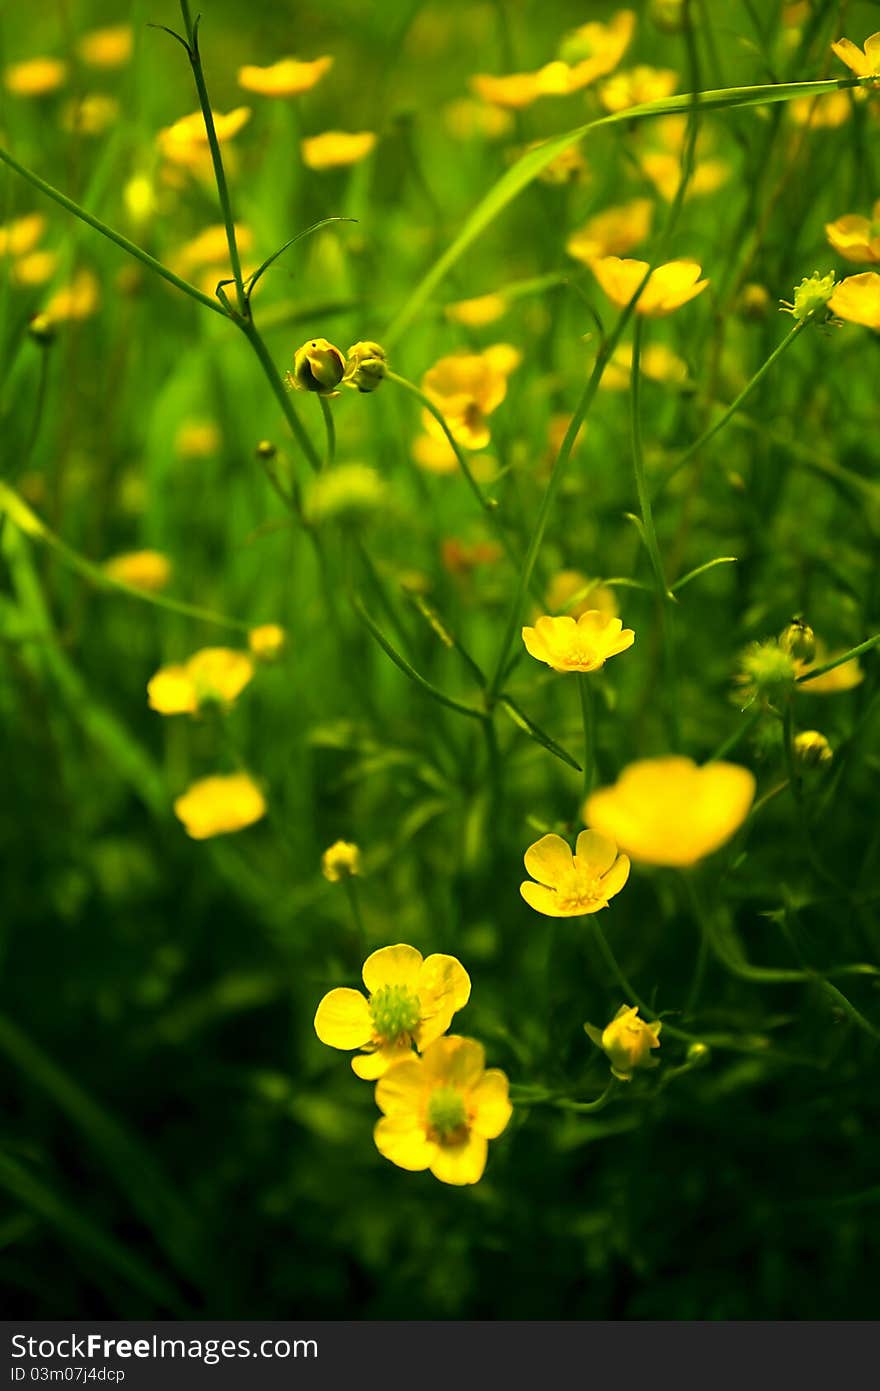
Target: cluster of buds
(321, 367)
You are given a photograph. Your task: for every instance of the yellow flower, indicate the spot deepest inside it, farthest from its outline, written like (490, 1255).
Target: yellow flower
(864, 62)
(843, 678)
(106, 48)
(186, 141)
(466, 119)
(570, 885)
(434, 453)
(668, 287)
(366, 366)
(77, 300)
(520, 89)
(825, 112)
(197, 439)
(571, 592)
(411, 1003)
(441, 1111)
(857, 238)
(267, 641)
(340, 861)
(286, 78)
(637, 86)
(594, 49)
(19, 237)
(148, 570)
(612, 232)
(91, 114)
(857, 299)
(628, 1041)
(210, 247)
(317, 366)
(36, 77)
(336, 148)
(658, 364)
(664, 171)
(667, 811)
(583, 644)
(218, 805)
(35, 268)
(467, 387)
(568, 167)
(212, 675)
(477, 312)
(812, 748)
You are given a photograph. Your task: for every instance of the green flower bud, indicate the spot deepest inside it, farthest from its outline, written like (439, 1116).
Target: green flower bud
(812, 749)
(266, 450)
(42, 329)
(698, 1055)
(317, 366)
(798, 640)
(767, 672)
(366, 366)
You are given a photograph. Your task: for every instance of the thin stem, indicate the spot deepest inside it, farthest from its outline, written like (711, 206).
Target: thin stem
(330, 432)
(650, 532)
(565, 1103)
(282, 395)
(839, 661)
(410, 671)
(588, 720)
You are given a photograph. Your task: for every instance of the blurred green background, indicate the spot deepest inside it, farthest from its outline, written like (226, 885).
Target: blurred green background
(173, 1138)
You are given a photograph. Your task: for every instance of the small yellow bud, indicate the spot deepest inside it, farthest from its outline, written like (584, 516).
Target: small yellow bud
(811, 296)
(317, 366)
(812, 749)
(42, 329)
(698, 1055)
(753, 302)
(267, 641)
(341, 861)
(266, 450)
(365, 366)
(798, 640)
(627, 1041)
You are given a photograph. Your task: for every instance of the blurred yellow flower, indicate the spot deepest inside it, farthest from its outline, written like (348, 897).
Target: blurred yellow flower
(210, 247)
(219, 805)
(77, 300)
(91, 114)
(335, 148)
(477, 312)
(571, 592)
(825, 112)
(668, 811)
(286, 78)
(664, 171)
(35, 268)
(441, 1110)
(612, 232)
(411, 1003)
(466, 119)
(106, 48)
(637, 86)
(35, 77)
(864, 62)
(571, 885)
(668, 287)
(520, 89)
(267, 641)
(434, 453)
(466, 388)
(594, 49)
(568, 167)
(582, 644)
(197, 439)
(843, 678)
(811, 748)
(628, 1041)
(185, 142)
(658, 363)
(150, 570)
(857, 299)
(340, 861)
(857, 238)
(213, 675)
(20, 236)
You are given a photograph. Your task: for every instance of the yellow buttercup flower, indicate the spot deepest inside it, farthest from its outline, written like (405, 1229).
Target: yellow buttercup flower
(150, 570)
(411, 1003)
(842, 678)
(210, 248)
(434, 453)
(77, 300)
(267, 641)
(864, 62)
(664, 171)
(477, 312)
(612, 232)
(519, 89)
(197, 439)
(35, 268)
(317, 366)
(657, 362)
(668, 286)
(571, 592)
(219, 805)
(441, 1110)
(467, 119)
(637, 86)
(668, 811)
(857, 238)
(570, 885)
(594, 49)
(366, 366)
(340, 861)
(628, 1041)
(335, 148)
(36, 77)
(185, 142)
(288, 77)
(214, 675)
(20, 236)
(91, 114)
(811, 748)
(468, 387)
(582, 644)
(107, 48)
(857, 299)
(825, 112)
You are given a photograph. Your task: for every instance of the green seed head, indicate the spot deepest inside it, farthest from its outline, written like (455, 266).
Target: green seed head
(395, 1011)
(447, 1115)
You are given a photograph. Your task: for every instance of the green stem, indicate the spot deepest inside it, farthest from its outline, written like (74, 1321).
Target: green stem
(588, 719)
(565, 1103)
(732, 409)
(839, 661)
(282, 395)
(410, 671)
(663, 593)
(330, 432)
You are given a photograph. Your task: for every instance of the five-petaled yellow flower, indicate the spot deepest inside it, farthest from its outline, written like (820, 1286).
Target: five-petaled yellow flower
(219, 805)
(411, 1003)
(612, 232)
(669, 811)
(441, 1110)
(466, 388)
(667, 288)
(336, 148)
(286, 78)
(628, 1041)
(864, 62)
(577, 644)
(571, 885)
(214, 675)
(857, 238)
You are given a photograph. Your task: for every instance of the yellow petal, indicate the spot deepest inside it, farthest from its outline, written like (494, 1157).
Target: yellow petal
(402, 1141)
(545, 900)
(490, 1106)
(595, 852)
(171, 692)
(343, 1019)
(535, 644)
(614, 880)
(402, 1089)
(398, 965)
(460, 1164)
(548, 859)
(455, 1061)
(444, 987)
(371, 1066)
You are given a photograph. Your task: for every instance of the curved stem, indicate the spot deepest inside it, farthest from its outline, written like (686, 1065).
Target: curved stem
(330, 432)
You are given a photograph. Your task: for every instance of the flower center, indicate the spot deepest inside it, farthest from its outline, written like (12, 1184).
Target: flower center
(577, 889)
(395, 1010)
(447, 1117)
(581, 657)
